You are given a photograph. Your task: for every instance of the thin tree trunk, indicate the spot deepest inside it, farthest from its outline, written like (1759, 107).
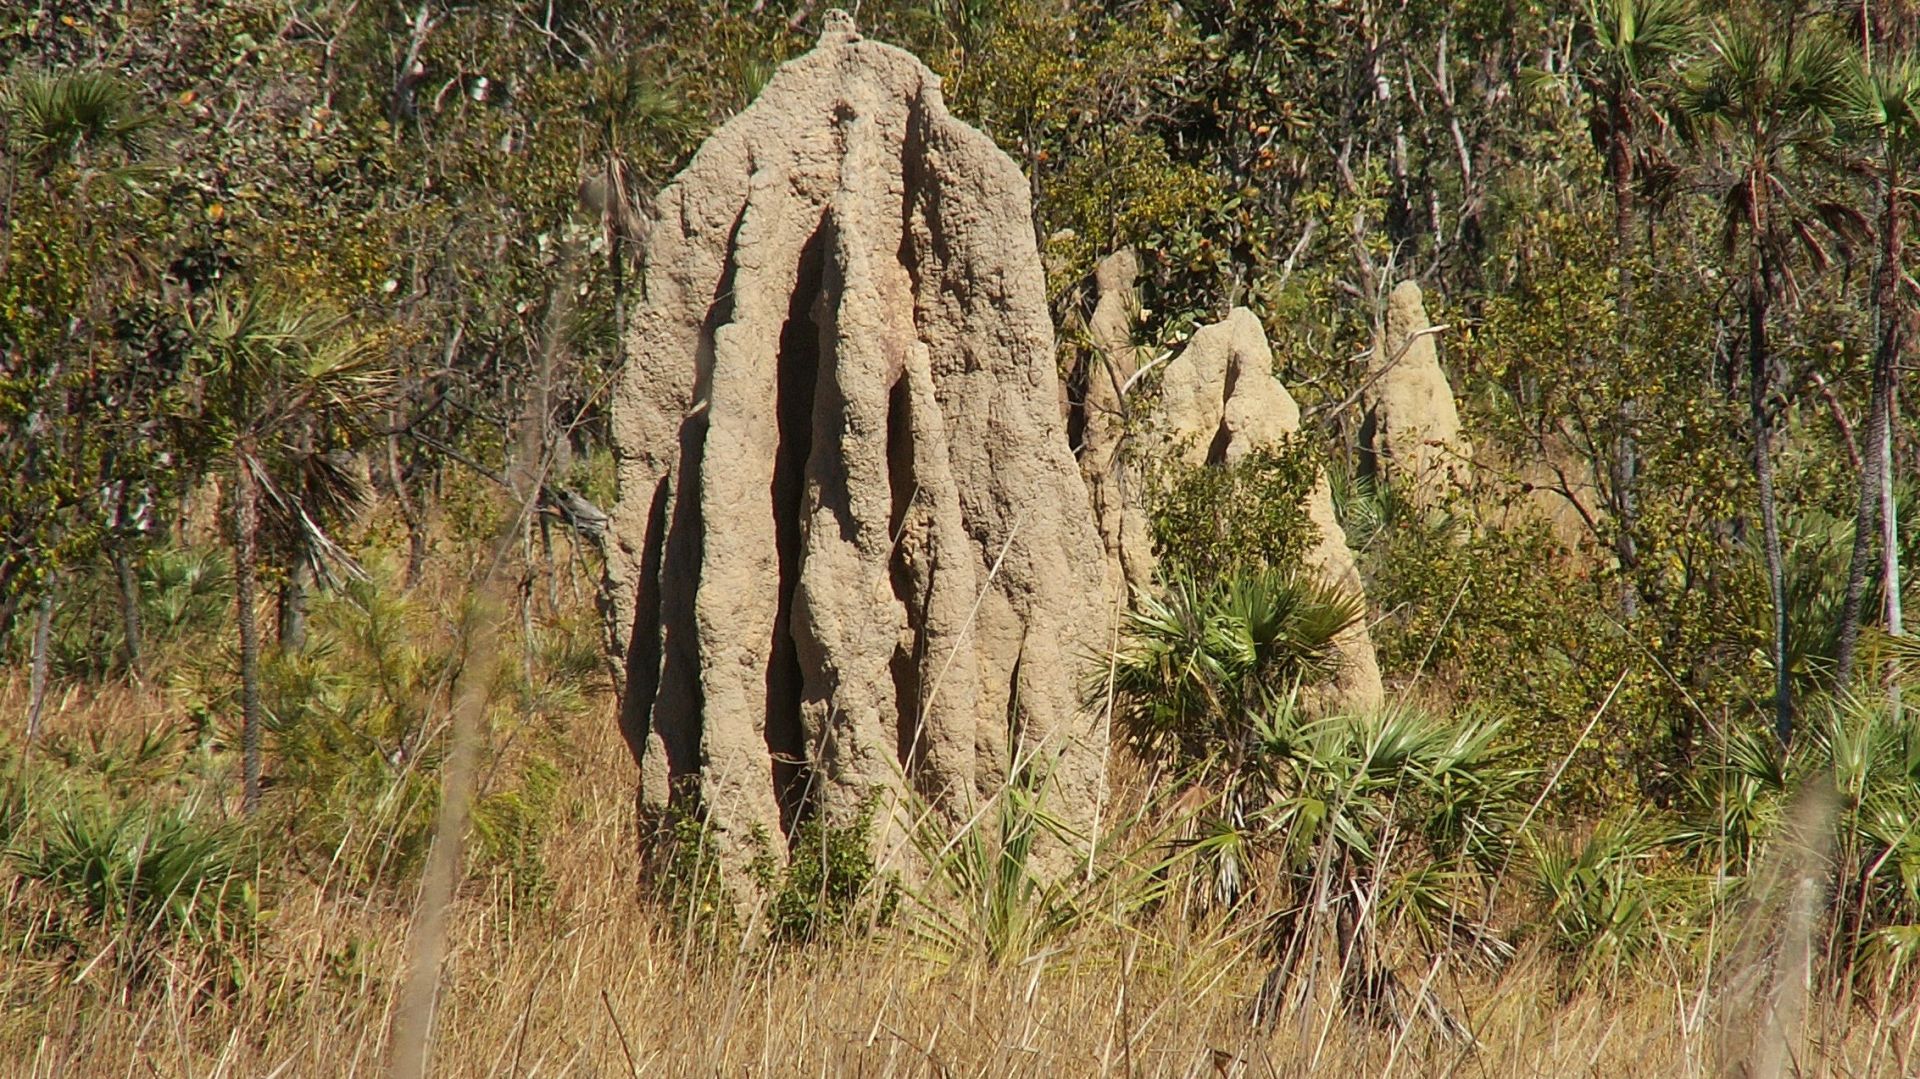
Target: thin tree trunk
(129, 610)
(1757, 386)
(1879, 420)
(294, 593)
(246, 529)
(42, 656)
(410, 511)
(1890, 546)
(129, 588)
(1626, 456)
(11, 570)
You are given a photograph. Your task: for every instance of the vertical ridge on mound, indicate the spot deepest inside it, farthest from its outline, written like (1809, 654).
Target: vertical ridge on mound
(853, 552)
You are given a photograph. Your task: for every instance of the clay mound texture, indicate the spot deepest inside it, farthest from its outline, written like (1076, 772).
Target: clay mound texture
(1412, 433)
(1219, 401)
(1109, 369)
(853, 551)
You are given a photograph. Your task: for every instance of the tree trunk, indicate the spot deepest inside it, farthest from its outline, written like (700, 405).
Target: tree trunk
(1758, 383)
(294, 592)
(1626, 455)
(1890, 547)
(410, 510)
(1872, 501)
(42, 657)
(246, 530)
(129, 610)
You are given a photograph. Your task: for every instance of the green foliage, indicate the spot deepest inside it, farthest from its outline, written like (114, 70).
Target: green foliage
(1197, 664)
(352, 718)
(984, 896)
(1864, 757)
(1207, 519)
(827, 887)
(1386, 797)
(147, 879)
(510, 828)
(1602, 897)
(686, 879)
(59, 116)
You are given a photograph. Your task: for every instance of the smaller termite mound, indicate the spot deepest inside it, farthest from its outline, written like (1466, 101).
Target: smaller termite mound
(850, 565)
(1411, 434)
(1220, 401)
(1099, 392)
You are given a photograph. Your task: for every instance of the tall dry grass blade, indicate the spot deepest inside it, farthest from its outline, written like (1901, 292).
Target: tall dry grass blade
(413, 1021)
(1763, 999)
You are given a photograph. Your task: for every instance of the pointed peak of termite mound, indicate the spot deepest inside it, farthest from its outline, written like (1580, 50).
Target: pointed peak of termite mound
(851, 558)
(1412, 432)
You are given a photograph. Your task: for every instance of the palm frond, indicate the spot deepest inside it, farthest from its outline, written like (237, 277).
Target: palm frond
(62, 115)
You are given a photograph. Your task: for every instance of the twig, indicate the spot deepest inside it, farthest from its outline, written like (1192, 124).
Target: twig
(625, 1048)
(1398, 355)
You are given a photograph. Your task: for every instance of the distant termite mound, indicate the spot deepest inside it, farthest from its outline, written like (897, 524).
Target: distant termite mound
(853, 554)
(1097, 422)
(1411, 434)
(1220, 401)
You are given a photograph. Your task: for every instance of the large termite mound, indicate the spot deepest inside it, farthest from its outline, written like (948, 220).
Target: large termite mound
(853, 555)
(1411, 433)
(1220, 401)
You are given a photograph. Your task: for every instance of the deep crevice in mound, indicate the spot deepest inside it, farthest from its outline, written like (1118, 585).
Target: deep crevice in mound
(797, 377)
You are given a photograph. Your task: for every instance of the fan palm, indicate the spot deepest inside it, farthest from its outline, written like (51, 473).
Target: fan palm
(64, 116)
(1765, 101)
(282, 380)
(1633, 43)
(1887, 107)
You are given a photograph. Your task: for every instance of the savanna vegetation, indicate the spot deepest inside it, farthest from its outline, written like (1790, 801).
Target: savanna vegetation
(308, 766)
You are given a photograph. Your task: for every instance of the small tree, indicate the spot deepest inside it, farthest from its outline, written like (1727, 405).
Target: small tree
(1633, 43)
(1767, 98)
(284, 382)
(1887, 107)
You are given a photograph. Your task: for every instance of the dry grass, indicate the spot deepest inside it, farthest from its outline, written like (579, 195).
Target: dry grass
(594, 981)
(598, 984)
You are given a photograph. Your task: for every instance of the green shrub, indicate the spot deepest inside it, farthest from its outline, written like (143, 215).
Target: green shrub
(1208, 519)
(827, 888)
(1199, 662)
(1603, 898)
(148, 879)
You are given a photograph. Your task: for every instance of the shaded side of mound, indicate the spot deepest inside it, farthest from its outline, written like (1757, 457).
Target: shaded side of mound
(853, 552)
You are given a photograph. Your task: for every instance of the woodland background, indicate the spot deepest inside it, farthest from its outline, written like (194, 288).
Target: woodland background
(305, 304)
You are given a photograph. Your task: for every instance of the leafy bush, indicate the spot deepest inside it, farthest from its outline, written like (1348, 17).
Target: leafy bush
(148, 879)
(1867, 756)
(827, 886)
(352, 718)
(1602, 897)
(1208, 519)
(1198, 662)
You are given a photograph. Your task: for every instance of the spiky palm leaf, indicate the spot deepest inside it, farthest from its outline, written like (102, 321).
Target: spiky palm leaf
(62, 116)
(1197, 662)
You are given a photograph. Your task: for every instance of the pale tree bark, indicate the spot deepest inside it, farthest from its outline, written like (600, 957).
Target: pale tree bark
(1876, 470)
(1759, 365)
(295, 593)
(1890, 548)
(246, 531)
(42, 658)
